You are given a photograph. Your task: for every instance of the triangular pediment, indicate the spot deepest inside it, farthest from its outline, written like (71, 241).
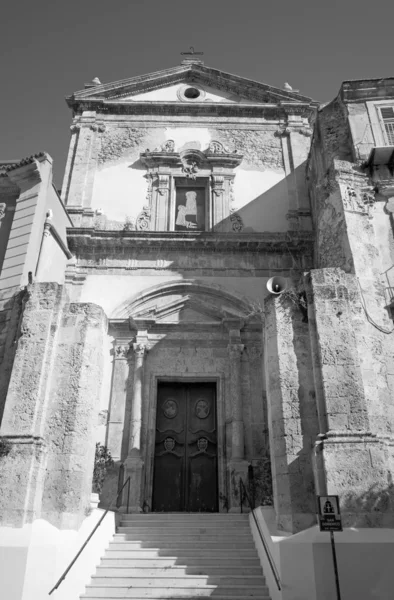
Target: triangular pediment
(176, 93)
(168, 85)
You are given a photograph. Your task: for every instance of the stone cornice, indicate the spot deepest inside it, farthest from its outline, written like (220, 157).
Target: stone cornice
(81, 240)
(267, 111)
(193, 72)
(362, 90)
(6, 166)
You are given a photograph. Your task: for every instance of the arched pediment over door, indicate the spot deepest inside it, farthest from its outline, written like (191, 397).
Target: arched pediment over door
(186, 302)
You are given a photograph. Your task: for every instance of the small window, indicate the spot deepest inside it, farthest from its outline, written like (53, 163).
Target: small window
(388, 123)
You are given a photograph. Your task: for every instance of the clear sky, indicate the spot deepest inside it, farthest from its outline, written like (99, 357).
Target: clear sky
(49, 49)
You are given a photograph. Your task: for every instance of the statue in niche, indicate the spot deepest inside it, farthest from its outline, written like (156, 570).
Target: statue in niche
(190, 209)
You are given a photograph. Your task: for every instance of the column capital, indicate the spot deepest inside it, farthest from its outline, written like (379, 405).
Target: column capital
(235, 350)
(140, 349)
(122, 349)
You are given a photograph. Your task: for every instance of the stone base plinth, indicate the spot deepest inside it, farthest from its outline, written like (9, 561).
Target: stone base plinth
(359, 468)
(237, 469)
(133, 468)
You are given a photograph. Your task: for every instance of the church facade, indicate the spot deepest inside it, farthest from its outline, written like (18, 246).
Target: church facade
(210, 298)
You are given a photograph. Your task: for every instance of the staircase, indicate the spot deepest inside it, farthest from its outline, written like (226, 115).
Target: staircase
(180, 555)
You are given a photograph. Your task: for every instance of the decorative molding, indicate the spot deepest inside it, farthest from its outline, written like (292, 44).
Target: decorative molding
(143, 219)
(189, 168)
(108, 97)
(122, 350)
(164, 184)
(6, 168)
(217, 182)
(82, 239)
(218, 148)
(235, 351)
(282, 130)
(168, 147)
(140, 349)
(236, 221)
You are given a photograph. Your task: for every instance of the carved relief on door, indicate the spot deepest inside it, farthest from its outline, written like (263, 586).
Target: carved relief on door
(185, 468)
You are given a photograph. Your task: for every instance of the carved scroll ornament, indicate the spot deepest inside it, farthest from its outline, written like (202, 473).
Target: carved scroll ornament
(143, 219)
(218, 148)
(236, 221)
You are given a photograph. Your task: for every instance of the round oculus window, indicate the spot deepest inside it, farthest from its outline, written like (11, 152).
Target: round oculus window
(191, 93)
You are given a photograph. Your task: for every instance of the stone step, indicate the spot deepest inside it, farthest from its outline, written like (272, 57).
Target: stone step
(120, 551)
(223, 537)
(186, 557)
(153, 568)
(178, 546)
(115, 594)
(125, 591)
(186, 517)
(182, 581)
(160, 556)
(168, 526)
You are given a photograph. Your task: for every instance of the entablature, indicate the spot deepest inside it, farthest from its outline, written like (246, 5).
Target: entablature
(82, 239)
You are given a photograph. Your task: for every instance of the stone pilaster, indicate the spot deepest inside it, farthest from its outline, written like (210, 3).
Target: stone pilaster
(121, 368)
(237, 466)
(75, 129)
(291, 413)
(82, 171)
(220, 200)
(161, 204)
(134, 463)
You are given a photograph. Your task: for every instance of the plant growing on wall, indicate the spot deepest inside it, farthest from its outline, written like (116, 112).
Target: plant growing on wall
(5, 448)
(102, 462)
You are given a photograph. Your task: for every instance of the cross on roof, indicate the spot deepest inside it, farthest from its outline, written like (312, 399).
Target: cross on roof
(192, 52)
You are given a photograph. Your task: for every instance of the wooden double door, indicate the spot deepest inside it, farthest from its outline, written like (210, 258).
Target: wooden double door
(185, 466)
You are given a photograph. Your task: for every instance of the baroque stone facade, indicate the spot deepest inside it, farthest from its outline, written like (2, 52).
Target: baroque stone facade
(174, 216)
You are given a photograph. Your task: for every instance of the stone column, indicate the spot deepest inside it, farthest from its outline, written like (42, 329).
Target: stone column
(237, 466)
(134, 463)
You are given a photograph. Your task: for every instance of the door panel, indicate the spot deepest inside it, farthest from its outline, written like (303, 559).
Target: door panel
(185, 469)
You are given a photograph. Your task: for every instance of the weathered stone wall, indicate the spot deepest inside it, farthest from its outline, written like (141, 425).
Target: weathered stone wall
(50, 410)
(24, 467)
(73, 415)
(354, 233)
(355, 451)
